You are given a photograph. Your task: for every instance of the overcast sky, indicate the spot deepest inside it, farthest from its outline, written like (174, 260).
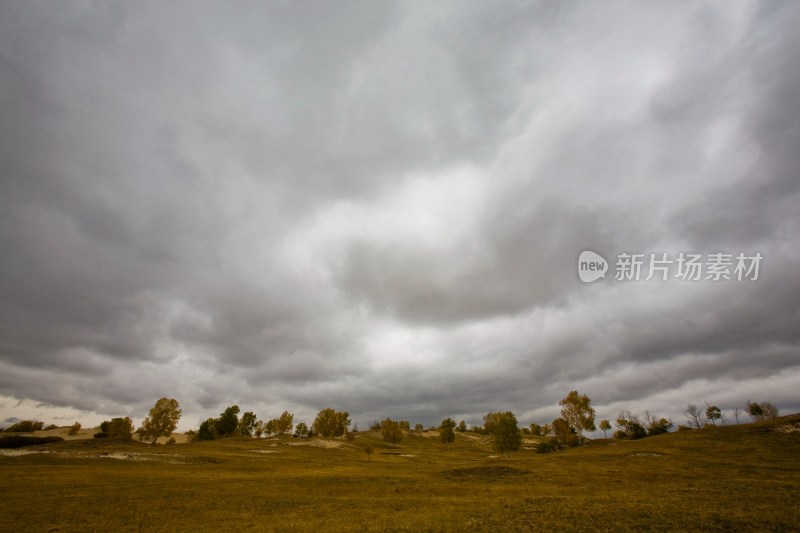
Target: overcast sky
(378, 207)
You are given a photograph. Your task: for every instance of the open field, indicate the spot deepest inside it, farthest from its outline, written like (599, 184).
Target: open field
(734, 478)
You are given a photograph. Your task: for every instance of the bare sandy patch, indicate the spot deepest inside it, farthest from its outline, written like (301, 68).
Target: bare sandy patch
(133, 456)
(319, 443)
(21, 451)
(788, 428)
(265, 451)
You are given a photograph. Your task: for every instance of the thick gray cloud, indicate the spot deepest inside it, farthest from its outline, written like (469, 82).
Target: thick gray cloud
(379, 206)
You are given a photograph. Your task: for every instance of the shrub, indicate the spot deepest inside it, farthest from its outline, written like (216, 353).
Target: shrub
(18, 441)
(630, 427)
(75, 428)
(120, 428)
(171, 441)
(391, 431)
(547, 446)
(26, 426)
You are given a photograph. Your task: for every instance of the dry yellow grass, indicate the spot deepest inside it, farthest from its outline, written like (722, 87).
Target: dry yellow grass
(742, 478)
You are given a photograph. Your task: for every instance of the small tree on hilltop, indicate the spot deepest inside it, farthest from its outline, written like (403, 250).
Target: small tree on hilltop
(446, 433)
(564, 433)
(630, 427)
(769, 410)
(161, 421)
(301, 429)
(605, 425)
(247, 424)
(577, 410)
(228, 421)
(330, 423)
(694, 415)
(504, 430)
(713, 413)
(391, 431)
(75, 428)
(657, 426)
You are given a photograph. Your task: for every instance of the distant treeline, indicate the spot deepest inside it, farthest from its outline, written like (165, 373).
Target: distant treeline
(577, 417)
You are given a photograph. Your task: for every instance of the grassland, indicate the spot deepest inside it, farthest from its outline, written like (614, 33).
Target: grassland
(734, 478)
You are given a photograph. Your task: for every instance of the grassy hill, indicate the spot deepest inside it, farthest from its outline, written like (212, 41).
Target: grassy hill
(732, 478)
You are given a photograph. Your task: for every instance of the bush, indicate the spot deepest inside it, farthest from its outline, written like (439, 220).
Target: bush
(630, 427)
(547, 446)
(18, 441)
(391, 431)
(51, 426)
(171, 441)
(75, 428)
(26, 426)
(121, 428)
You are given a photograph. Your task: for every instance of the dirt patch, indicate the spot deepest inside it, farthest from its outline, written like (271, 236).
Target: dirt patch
(20, 451)
(133, 456)
(265, 451)
(647, 454)
(486, 473)
(319, 443)
(788, 428)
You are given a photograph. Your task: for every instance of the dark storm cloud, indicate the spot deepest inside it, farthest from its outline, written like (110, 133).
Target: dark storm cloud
(378, 206)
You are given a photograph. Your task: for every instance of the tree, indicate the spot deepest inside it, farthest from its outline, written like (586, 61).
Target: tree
(330, 423)
(120, 428)
(577, 410)
(536, 429)
(285, 422)
(736, 412)
(391, 431)
(259, 428)
(546, 430)
(657, 426)
(247, 424)
(368, 451)
(565, 434)
(161, 421)
(446, 433)
(630, 426)
(713, 413)
(505, 433)
(228, 422)
(405, 425)
(694, 416)
(605, 425)
(75, 428)
(769, 410)
(26, 426)
(418, 428)
(301, 429)
(207, 430)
